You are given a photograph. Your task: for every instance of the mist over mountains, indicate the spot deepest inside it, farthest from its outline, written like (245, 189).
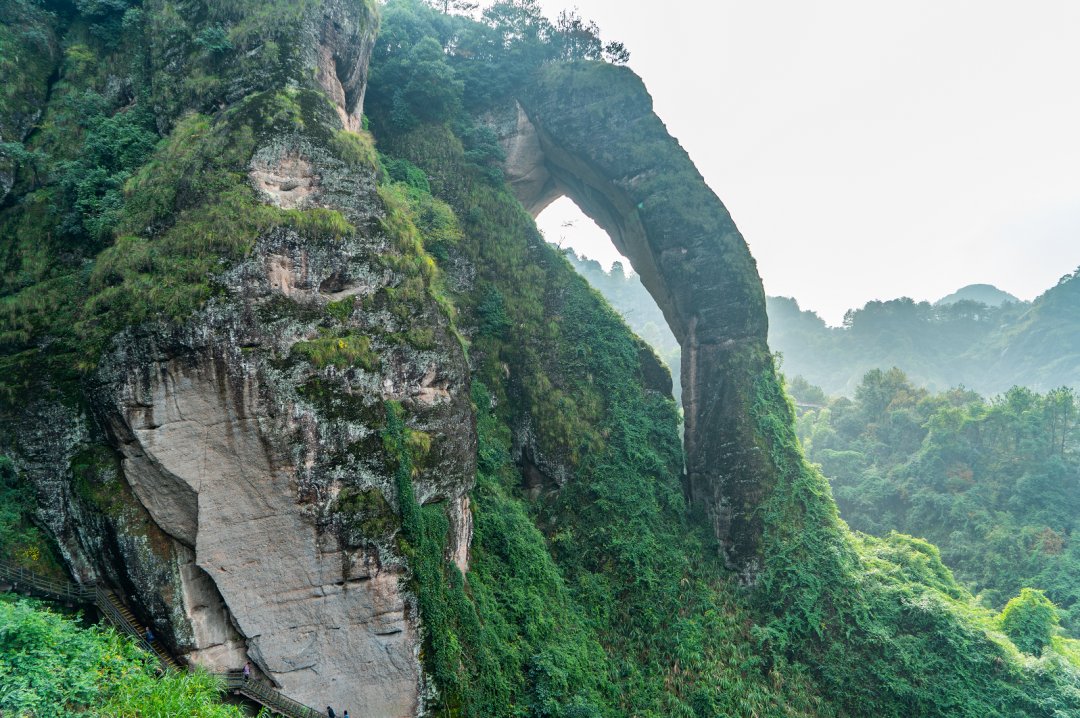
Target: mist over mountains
(979, 337)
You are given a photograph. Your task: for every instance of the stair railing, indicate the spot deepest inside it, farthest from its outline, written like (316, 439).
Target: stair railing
(112, 615)
(63, 591)
(261, 692)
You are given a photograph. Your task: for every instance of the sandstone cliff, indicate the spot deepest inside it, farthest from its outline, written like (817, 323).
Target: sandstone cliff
(227, 471)
(342, 412)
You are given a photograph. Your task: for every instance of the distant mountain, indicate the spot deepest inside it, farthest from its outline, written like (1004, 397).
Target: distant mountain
(980, 337)
(958, 341)
(1040, 346)
(986, 294)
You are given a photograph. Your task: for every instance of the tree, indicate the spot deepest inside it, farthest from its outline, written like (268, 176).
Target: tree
(616, 53)
(1030, 620)
(578, 39)
(17, 154)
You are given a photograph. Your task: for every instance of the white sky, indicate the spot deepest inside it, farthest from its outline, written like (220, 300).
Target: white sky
(870, 150)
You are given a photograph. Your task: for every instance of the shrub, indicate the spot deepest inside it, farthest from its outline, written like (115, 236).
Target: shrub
(1030, 620)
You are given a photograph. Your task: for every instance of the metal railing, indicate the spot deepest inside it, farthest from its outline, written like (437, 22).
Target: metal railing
(23, 579)
(113, 615)
(261, 692)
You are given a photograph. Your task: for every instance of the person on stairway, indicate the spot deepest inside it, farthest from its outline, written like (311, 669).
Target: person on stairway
(330, 712)
(247, 671)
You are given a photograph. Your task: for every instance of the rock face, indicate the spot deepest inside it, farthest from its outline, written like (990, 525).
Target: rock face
(228, 475)
(346, 37)
(209, 465)
(588, 131)
(253, 476)
(28, 38)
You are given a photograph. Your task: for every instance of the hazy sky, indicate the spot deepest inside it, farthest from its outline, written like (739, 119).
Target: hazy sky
(870, 150)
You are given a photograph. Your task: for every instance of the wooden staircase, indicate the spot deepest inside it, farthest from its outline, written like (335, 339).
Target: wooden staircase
(112, 609)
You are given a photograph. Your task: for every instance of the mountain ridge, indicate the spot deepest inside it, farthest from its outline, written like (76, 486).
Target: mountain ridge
(986, 294)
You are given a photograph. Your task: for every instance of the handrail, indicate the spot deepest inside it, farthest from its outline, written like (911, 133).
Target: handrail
(120, 621)
(256, 690)
(51, 588)
(263, 693)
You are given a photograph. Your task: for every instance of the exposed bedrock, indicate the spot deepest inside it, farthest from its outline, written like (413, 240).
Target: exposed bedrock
(588, 131)
(326, 622)
(282, 495)
(346, 35)
(270, 471)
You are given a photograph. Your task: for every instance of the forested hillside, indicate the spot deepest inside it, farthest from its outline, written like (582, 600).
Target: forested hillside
(630, 299)
(962, 343)
(995, 484)
(286, 364)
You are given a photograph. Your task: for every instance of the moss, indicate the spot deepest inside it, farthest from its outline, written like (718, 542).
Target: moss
(342, 310)
(356, 149)
(278, 307)
(341, 351)
(335, 402)
(367, 511)
(422, 338)
(97, 479)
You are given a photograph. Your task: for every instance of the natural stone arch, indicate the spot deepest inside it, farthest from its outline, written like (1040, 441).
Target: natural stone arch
(588, 131)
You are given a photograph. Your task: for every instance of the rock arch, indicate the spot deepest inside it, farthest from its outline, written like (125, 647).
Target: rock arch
(588, 131)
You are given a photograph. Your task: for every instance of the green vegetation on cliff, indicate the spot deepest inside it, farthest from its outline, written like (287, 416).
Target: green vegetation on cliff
(631, 300)
(111, 224)
(598, 597)
(593, 589)
(840, 624)
(52, 665)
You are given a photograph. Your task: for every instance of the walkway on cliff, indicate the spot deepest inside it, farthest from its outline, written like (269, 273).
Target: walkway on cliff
(20, 580)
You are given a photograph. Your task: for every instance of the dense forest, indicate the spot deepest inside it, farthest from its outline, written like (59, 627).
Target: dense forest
(482, 447)
(995, 484)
